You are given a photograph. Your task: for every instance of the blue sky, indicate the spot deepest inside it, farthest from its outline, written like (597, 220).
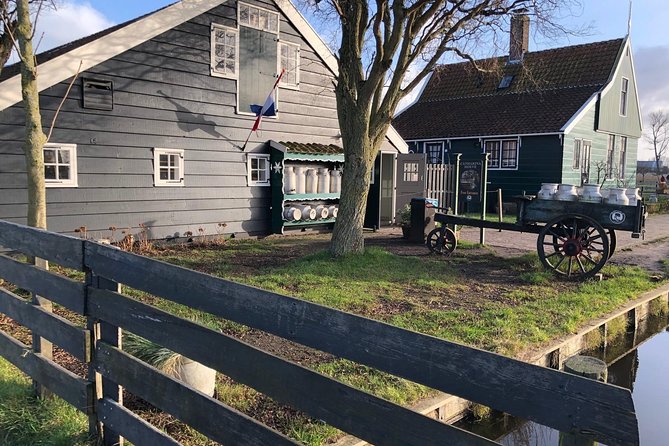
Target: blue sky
(607, 20)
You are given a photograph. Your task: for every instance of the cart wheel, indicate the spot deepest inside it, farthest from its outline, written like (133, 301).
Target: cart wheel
(574, 246)
(612, 242)
(442, 241)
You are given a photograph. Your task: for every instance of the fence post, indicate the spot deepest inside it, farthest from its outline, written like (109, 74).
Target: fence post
(104, 387)
(40, 345)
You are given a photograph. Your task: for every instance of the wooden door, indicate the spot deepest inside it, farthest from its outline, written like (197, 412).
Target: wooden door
(410, 178)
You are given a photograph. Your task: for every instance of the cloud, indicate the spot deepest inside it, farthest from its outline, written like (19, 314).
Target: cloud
(650, 66)
(70, 20)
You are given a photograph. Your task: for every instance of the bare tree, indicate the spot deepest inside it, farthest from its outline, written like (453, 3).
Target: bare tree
(380, 42)
(658, 136)
(8, 25)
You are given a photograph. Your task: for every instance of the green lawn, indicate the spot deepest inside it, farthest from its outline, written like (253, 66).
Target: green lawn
(474, 297)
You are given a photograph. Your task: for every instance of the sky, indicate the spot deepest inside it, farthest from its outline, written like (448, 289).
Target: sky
(606, 19)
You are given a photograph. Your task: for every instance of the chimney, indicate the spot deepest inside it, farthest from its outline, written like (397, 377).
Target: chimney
(519, 36)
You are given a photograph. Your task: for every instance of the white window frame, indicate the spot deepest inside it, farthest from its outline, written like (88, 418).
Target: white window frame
(73, 180)
(576, 157)
(212, 52)
(427, 153)
(501, 153)
(610, 157)
(268, 169)
(157, 182)
(624, 96)
(284, 84)
(259, 8)
(622, 157)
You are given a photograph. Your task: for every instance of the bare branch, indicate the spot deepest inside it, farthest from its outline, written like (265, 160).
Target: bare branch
(62, 101)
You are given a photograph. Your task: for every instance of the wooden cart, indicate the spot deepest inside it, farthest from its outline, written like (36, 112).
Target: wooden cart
(575, 239)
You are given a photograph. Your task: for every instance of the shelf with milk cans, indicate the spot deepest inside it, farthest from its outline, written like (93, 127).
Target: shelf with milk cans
(306, 184)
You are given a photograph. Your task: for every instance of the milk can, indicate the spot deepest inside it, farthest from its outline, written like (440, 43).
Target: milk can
(323, 180)
(289, 180)
(300, 180)
(547, 191)
(335, 181)
(566, 192)
(312, 181)
(633, 195)
(591, 194)
(308, 213)
(322, 211)
(333, 211)
(291, 213)
(617, 196)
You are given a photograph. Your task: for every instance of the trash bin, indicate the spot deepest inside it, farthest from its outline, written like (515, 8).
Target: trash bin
(422, 218)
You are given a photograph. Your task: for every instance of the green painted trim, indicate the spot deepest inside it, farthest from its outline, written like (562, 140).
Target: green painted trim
(313, 157)
(300, 197)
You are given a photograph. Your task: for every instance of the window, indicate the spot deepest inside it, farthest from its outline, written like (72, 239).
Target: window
(97, 94)
(435, 152)
(585, 165)
(258, 170)
(576, 164)
(290, 61)
(258, 18)
(622, 164)
(410, 171)
(60, 165)
(611, 150)
(168, 167)
(502, 154)
(624, 87)
(223, 51)
(505, 82)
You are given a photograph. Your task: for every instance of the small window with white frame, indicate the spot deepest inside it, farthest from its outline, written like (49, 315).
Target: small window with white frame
(60, 165)
(624, 90)
(168, 167)
(576, 163)
(258, 169)
(224, 60)
(502, 154)
(259, 18)
(289, 55)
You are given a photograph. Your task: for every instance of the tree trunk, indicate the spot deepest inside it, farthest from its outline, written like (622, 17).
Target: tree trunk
(35, 139)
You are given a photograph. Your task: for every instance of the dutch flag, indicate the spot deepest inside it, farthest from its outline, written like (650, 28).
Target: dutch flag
(268, 108)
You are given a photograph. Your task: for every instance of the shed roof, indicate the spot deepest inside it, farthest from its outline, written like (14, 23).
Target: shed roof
(545, 91)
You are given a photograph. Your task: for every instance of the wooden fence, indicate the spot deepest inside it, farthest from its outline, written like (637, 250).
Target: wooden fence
(442, 183)
(553, 398)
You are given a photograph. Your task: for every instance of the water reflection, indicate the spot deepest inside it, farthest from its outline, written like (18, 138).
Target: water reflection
(638, 361)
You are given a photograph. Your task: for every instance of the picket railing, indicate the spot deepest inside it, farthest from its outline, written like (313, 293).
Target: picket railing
(564, 402)
(442, 183)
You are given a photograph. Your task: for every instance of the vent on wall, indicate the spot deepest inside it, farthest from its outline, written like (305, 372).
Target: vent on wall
(97, 94)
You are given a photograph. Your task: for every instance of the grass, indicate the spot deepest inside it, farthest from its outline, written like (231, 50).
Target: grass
(26, 420)
(474, 297)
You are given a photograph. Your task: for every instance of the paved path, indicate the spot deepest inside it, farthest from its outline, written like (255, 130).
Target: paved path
(645, 252)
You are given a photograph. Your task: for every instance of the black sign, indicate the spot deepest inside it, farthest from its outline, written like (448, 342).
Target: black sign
(470, 180)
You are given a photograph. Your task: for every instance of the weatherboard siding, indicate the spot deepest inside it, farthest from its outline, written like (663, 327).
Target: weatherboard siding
(584, 130)
(610, 120)
(164, 96)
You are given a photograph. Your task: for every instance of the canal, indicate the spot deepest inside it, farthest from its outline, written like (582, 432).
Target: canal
(638, 361)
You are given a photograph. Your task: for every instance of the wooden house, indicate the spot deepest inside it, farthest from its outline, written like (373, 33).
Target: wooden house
(152, 130)
(564, 115)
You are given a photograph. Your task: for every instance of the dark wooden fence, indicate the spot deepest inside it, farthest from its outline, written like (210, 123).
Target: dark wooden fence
(553, 398)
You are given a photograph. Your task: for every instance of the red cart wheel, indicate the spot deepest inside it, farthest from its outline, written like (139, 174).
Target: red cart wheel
(573, 246)
(442, 241)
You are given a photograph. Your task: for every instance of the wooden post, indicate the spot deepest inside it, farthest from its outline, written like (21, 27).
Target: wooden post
(499, 206)
(588, 367)
(484, 194)
(41, 345)
(105, 388)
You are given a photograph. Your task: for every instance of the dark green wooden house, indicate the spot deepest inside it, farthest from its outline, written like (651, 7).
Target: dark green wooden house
(564, 115)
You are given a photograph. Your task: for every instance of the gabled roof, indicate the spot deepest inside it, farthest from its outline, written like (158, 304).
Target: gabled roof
(545, 91)
(62, 63)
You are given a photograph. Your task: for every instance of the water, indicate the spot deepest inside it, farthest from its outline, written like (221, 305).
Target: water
(644, 370)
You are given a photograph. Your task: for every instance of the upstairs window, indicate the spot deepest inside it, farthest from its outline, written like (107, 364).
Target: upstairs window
(60, 165)
(223, 51)
(258, 18)
(168, 167)
(290, 61)
(624, 87)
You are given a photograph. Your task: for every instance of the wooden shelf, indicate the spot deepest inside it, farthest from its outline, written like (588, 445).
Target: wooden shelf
(306, 197)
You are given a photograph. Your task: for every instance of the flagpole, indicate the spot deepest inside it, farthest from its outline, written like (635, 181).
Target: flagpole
(259, 118)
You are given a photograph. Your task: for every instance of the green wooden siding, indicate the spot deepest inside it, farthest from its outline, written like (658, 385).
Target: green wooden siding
(584, 130)
(610, 119)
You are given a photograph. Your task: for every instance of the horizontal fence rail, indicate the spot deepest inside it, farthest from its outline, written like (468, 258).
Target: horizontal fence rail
(562, 401)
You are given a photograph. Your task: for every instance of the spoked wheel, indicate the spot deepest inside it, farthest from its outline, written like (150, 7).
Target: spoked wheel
(442, 241)
(612, 242)
(574, 246)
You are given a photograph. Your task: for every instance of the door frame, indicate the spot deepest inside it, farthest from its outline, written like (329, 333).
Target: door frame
(394, 186)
